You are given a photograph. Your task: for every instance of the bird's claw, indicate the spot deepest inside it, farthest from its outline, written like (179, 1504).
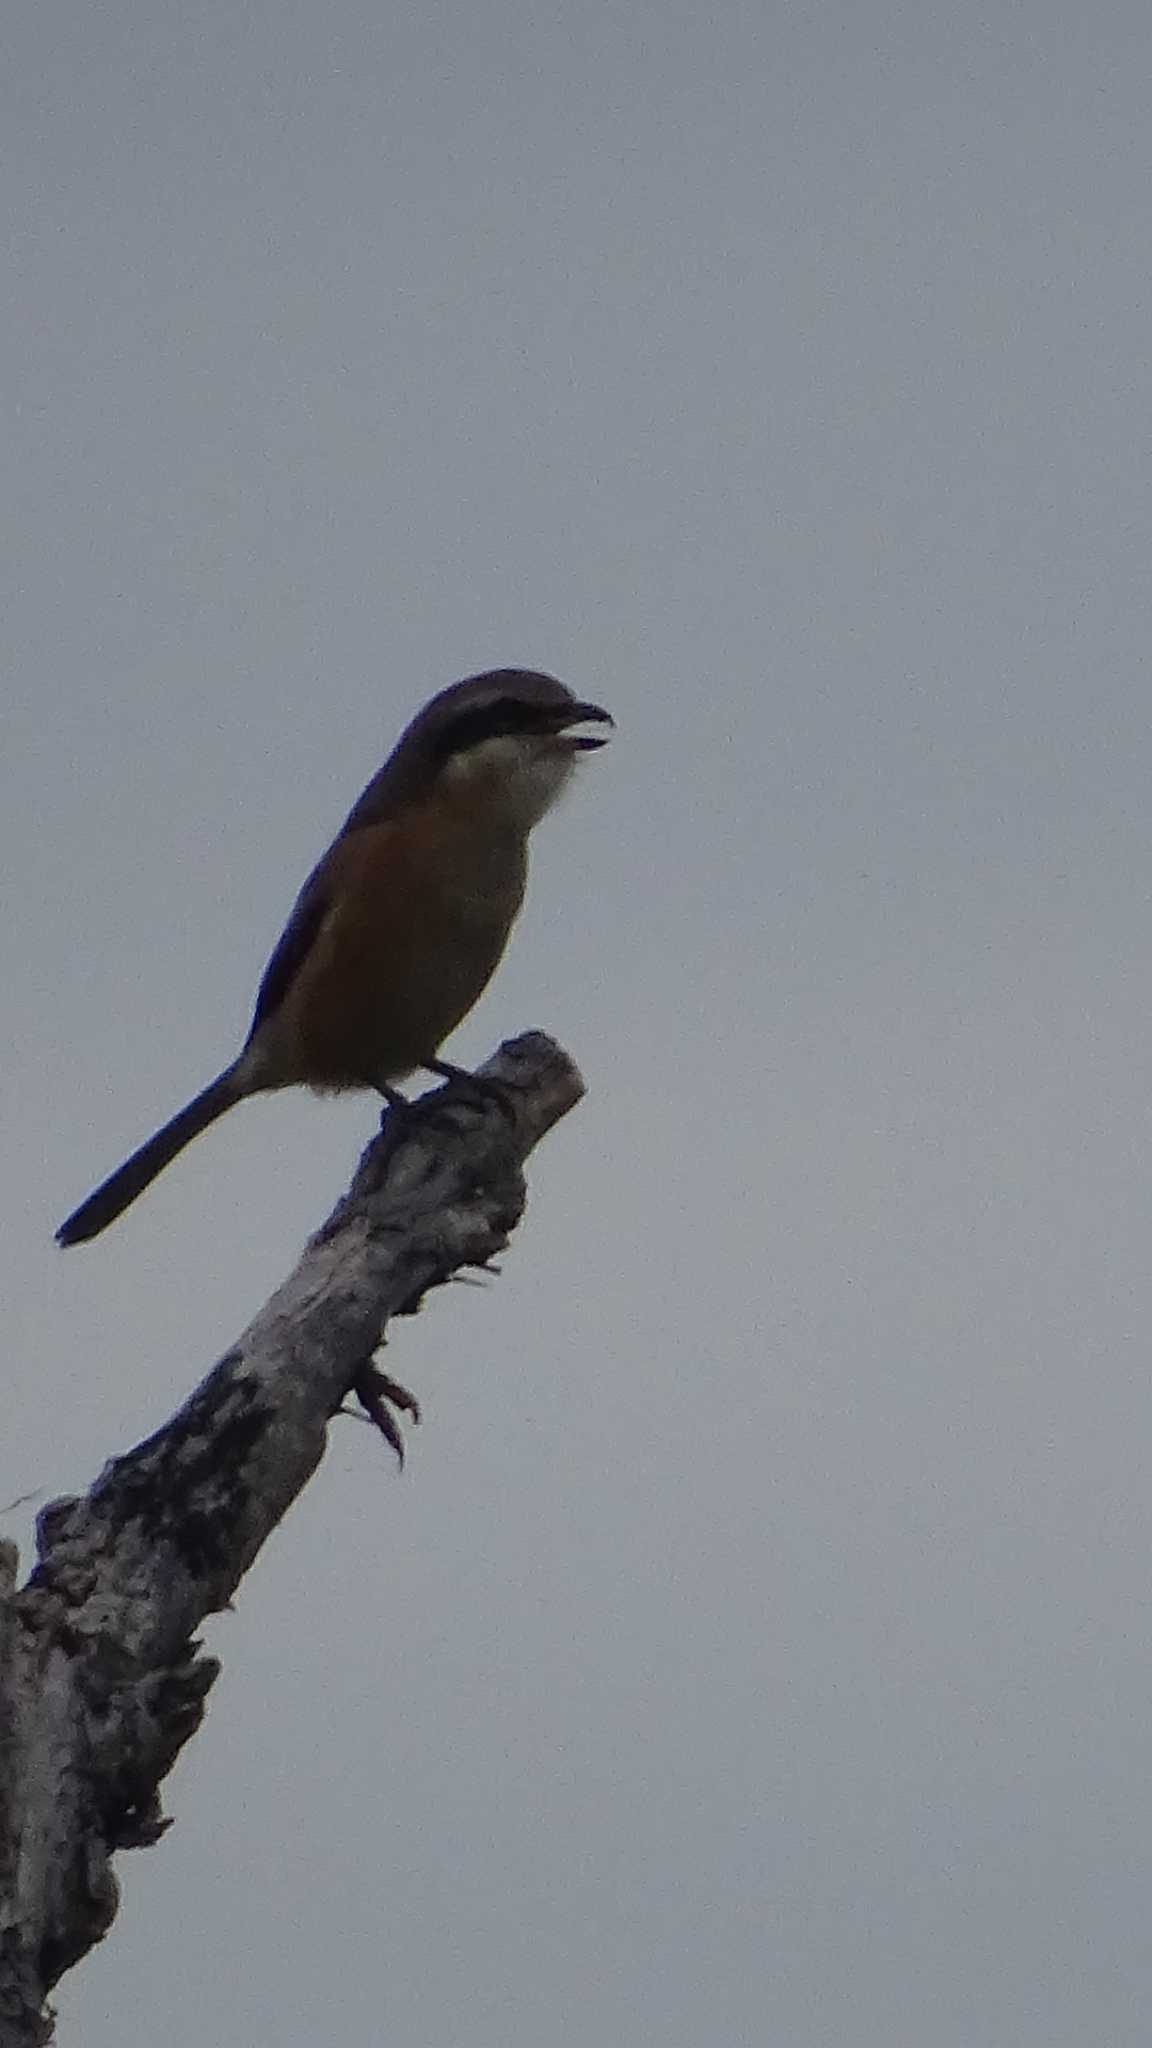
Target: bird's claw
(482, 1087)
(378, 1394)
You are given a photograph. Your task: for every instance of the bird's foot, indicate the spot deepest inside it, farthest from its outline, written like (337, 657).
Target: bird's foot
(378, 1394)
(480, 1086)
(393, 1117)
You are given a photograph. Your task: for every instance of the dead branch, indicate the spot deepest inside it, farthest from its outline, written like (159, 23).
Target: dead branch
(101, 1679)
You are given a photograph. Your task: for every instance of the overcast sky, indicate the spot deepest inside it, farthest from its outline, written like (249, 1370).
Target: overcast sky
(757, 1648)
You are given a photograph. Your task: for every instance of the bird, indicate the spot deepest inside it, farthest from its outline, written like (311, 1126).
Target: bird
(402, 922)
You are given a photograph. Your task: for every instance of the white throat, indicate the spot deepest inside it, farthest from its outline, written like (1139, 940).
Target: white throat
(515, 779)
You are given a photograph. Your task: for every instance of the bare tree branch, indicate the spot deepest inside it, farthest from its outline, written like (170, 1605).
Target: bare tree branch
(101, 1682)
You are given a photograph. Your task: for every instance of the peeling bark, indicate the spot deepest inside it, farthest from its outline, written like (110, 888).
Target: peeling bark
(101, 1680)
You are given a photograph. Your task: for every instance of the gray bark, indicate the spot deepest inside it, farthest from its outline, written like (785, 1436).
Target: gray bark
(101, 1680)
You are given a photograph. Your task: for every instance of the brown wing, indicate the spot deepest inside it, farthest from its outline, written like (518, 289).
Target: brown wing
(293, 947)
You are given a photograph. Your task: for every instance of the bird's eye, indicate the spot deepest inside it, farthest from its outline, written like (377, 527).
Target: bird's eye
(497, 720)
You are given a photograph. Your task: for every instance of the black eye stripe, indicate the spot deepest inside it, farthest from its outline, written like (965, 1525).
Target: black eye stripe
(503, 717)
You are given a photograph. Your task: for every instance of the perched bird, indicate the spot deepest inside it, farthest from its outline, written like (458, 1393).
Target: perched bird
(400, 925)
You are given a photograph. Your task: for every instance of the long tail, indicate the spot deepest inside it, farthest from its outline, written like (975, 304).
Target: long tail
(122, 1187)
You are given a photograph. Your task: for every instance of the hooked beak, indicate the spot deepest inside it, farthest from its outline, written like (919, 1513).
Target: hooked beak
(581, 714)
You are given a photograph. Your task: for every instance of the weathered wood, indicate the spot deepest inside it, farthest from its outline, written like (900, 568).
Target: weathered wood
(101, 1680)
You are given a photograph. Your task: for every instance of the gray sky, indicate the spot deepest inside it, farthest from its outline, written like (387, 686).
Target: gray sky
(757, 1647)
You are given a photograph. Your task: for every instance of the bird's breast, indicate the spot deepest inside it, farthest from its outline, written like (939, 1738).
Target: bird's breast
(418, 918)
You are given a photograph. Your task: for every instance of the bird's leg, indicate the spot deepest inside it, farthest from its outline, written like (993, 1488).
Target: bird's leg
(501, 1092)
(394, 1114)
(449, 1071)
